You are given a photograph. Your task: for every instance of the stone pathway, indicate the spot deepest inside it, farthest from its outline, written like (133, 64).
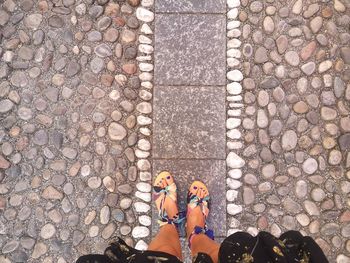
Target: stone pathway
(251, 97)
(189, 97)
(189, 100)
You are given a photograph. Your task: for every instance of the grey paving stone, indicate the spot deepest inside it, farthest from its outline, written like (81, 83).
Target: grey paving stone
(189, 50)
(189, 122)
(195, 6)
(212, 173)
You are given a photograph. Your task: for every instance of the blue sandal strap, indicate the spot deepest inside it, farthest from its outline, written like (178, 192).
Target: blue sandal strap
(200, 230)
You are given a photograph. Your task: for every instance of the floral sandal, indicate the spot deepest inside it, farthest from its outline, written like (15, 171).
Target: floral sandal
(161, 193)
(192, 202)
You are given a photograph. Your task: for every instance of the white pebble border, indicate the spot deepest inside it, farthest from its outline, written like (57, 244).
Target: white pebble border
(143, 191)
(234, 76)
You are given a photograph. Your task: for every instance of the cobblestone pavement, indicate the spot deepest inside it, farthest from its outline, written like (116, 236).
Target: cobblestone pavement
(74, 98)
(77, 131)
(295, 125)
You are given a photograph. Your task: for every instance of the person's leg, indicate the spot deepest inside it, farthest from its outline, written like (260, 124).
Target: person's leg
(200, 242)
(167, 240)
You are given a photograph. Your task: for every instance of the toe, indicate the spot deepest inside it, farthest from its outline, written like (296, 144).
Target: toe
(194, 189)
(199, 189)
(199, 193)
(202, 193)
(157, 181)
(169, 179)
(164, 183)
(162, 179)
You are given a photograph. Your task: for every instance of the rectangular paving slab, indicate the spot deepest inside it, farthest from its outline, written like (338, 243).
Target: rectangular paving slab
(190, 49)
(189, 122)
(212, 173)
(195, 6)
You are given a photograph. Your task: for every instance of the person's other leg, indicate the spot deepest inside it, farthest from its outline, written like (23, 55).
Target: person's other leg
(167, 240)
(200, 242)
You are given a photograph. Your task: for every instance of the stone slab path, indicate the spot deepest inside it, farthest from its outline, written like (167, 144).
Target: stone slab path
(189, 99)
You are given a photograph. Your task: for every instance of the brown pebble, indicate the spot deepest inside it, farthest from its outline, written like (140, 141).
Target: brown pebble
(242, 16)
(43, 6)
(345, 217)
(339, 65)
(112, 9)
(327, 12)
(107, 80)
(22, 143)
(249, 137)
(308, 51)
(79, 36)
(4, 164)
(133, 2)
(263, 223)
(320, 55)
(74, 169)
(119, 21)
(300, 107)
(14, 132)
(129, 68)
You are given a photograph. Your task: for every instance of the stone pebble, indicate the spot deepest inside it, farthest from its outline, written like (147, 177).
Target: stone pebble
(47, 231)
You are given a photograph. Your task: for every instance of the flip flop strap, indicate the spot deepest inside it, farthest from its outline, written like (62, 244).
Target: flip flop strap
(200, 230)
(169, 191)
(202, 202)
(176, 220)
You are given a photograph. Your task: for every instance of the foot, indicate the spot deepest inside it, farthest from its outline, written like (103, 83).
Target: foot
(196, 216)
(166, 202)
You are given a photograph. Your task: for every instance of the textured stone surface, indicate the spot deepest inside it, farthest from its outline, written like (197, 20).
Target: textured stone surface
(69, 70)
(190, 53)
(295, 121)
(69, 130)
(195, 6)
(189, 122)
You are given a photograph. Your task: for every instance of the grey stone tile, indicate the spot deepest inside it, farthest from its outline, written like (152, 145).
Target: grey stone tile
(212, 173)
(189, 122)
(195, 6)
(190, 49)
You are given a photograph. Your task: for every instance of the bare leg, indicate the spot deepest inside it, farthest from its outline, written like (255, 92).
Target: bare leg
(200, 242)
(167, 240)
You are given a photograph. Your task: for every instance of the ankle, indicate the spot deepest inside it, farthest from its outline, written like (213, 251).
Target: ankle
(195, 218)
(171, 211)
(203, 244)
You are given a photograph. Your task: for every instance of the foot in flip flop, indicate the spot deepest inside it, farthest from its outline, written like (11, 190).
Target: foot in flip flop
(197, 209)
(165, 196)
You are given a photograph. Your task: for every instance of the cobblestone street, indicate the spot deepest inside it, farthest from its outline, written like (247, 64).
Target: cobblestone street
(74, 126)
(98, 96)
(295, 61)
